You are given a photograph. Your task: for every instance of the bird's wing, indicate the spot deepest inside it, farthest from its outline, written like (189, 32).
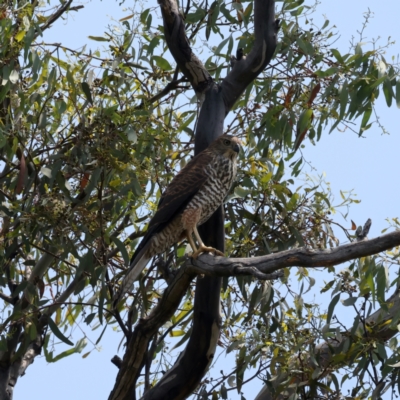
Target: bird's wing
(176, 197)
(174, 200)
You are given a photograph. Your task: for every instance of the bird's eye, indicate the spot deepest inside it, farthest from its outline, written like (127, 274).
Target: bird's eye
(227, 142)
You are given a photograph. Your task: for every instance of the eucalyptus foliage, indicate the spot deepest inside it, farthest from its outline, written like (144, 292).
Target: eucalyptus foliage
(90, 138)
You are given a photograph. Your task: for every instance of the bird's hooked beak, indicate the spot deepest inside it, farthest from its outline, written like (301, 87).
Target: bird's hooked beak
(236, 148)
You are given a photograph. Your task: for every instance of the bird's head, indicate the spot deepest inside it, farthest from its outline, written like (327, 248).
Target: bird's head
(227, 145)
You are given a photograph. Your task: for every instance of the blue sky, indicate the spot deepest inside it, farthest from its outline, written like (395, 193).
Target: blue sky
(369, 166)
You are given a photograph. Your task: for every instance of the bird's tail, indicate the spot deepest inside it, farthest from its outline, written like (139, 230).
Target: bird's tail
(136, 268)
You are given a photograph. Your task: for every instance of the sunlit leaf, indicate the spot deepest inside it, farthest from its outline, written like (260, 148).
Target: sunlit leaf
(162, 63)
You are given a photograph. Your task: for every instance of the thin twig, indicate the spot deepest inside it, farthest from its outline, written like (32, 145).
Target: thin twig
(56, 15)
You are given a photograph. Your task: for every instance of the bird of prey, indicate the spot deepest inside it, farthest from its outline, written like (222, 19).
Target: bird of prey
(190, 199)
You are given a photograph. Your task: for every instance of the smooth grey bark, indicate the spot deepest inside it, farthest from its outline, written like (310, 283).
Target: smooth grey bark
(248, 68)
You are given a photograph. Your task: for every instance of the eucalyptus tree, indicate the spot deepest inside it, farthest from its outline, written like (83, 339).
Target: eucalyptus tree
(88, 141)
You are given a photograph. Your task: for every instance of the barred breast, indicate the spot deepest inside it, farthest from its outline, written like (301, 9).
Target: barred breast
(221, 174)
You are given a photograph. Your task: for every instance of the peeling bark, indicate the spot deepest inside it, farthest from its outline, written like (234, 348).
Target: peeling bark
(20, 365)
(179, 46)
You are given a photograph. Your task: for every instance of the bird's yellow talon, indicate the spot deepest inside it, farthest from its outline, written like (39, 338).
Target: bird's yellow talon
(206, 249)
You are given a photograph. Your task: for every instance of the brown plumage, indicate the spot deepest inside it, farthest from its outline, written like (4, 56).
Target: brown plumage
(189, 200)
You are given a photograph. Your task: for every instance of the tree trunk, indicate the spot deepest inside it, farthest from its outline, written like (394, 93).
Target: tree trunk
(217, 100)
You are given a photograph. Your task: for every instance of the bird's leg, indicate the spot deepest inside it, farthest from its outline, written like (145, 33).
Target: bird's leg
(191, 241)
(203, 248)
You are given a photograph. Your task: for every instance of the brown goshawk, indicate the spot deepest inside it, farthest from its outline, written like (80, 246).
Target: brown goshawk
(190, 199)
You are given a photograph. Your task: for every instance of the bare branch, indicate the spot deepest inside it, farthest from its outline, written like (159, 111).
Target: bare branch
(21, 364)
(221, 266)
(6, 298)
(41, 266)
(117, 361)
(247, 68)
(56, 15)
(179, 46)
(135, 355)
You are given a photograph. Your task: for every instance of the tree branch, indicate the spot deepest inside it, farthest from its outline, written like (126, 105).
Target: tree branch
(221, 266)
(56, 15)
(179, 46)
(265, 266)
(248, 68)
(324, 352)
(135, 355)
(6, 298)
(21, 364)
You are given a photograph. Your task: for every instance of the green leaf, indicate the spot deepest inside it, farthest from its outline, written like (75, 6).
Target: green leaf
(241, 367)
(304, 120)
(192, 18)
(121, 247)
(137, 190)
(343, 97)
(327, 286)
(80, 345)
(241, 192)
(101, 335)
(337, 55)
(32, 331)
(143, 16)
(381, 284)
(212, 18)
(222, 45)
(86, 90)
(290, 5)
(153, 44)
(398, 94)
(162, 63)
(324, 74)
(366, 117)
(350, 301)
(57, 332)
(388, 91)
(227, 13)
(86, 263)
(3, 140)
(224, 392)
(99, 38)
(331, 307)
